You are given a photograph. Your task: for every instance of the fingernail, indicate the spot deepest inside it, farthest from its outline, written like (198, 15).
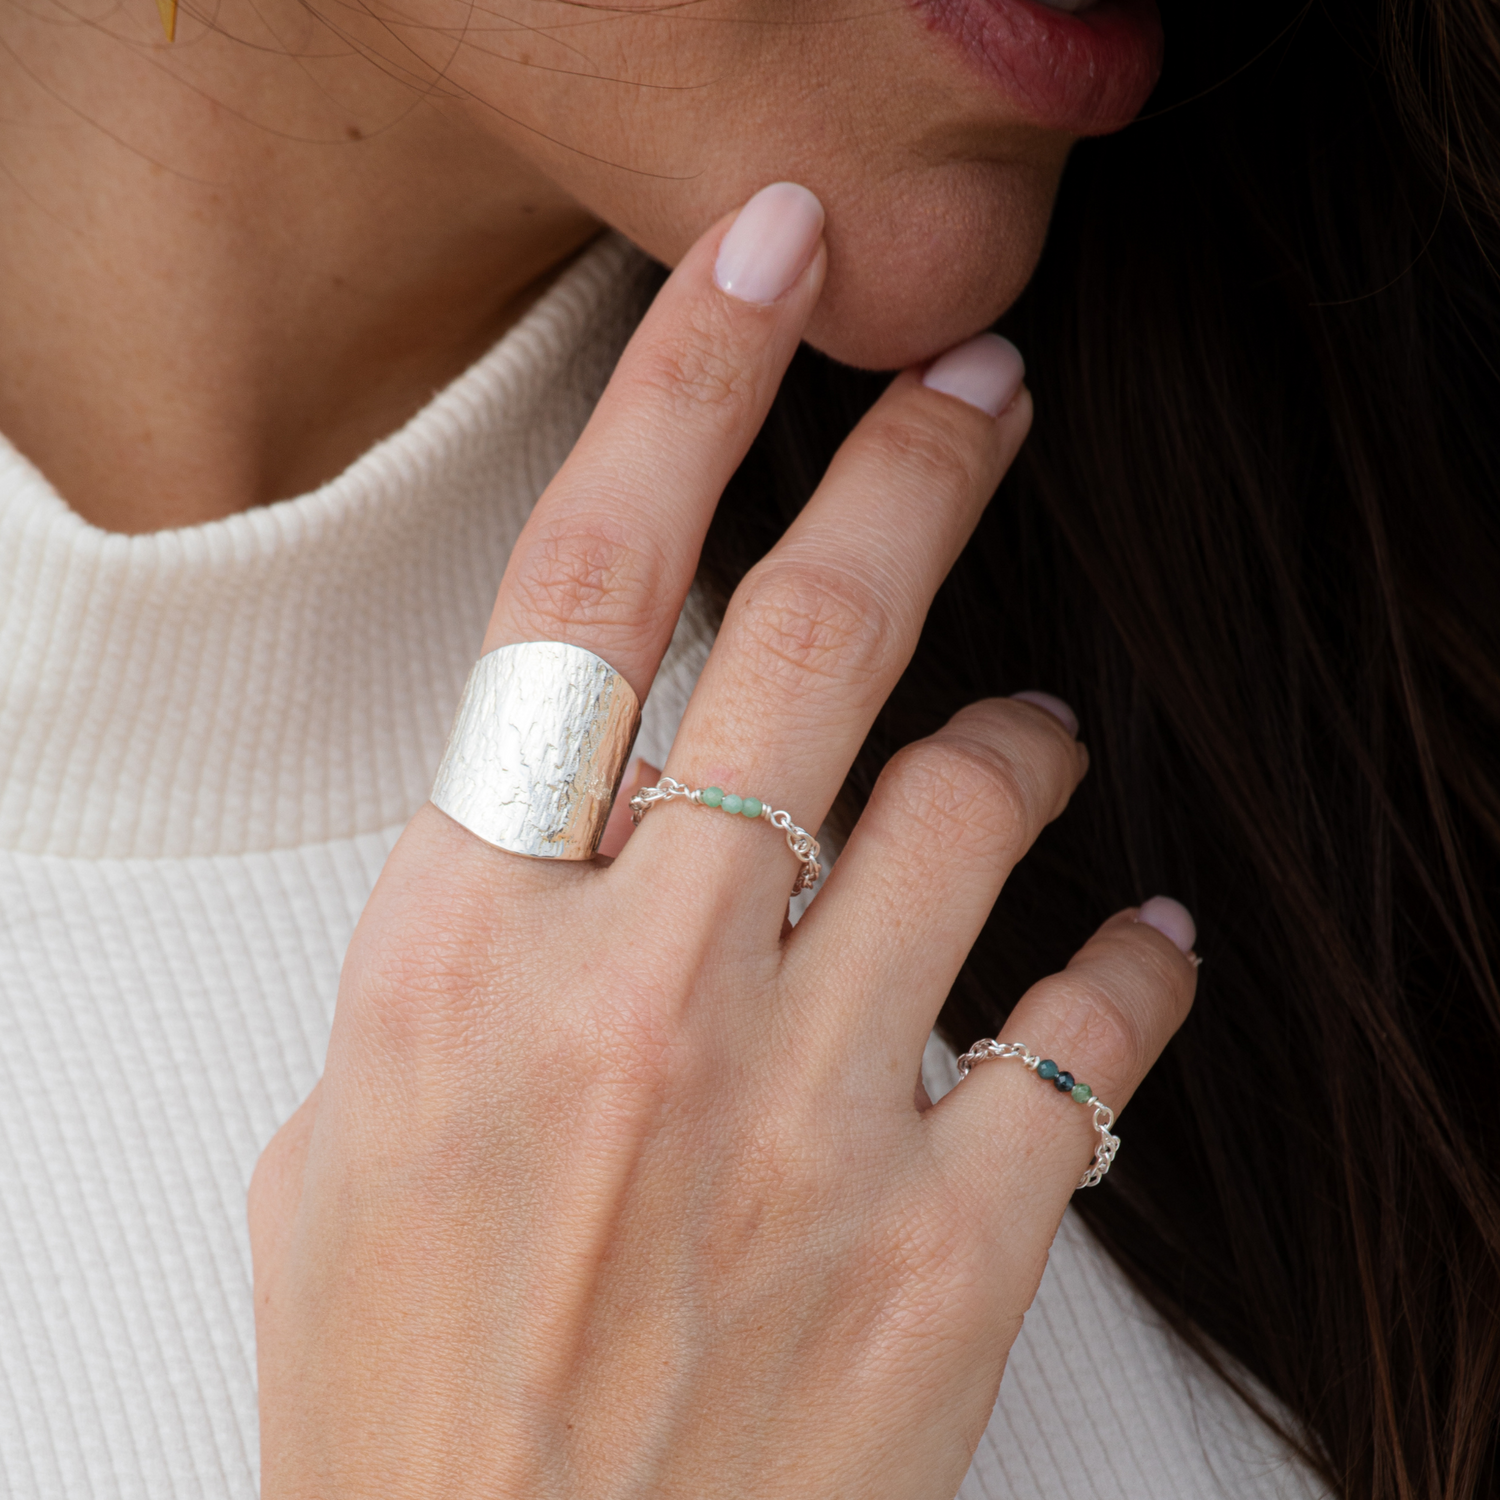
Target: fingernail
(1170, 918)
(1054, 706)
(986, 372)
(769, 245)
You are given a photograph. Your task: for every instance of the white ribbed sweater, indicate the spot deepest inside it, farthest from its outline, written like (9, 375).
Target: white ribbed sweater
(209, 740)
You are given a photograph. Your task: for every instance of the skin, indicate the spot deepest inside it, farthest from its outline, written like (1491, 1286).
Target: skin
(238, 261)
(587, 1203)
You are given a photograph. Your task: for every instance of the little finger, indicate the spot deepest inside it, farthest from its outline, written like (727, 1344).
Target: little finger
(1022, 1140)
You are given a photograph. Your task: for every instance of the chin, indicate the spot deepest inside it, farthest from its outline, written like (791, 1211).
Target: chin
(936, 263)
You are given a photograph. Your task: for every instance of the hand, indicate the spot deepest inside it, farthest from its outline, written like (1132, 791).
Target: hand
(612, 1187)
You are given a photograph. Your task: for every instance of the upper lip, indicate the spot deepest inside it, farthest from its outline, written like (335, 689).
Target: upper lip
(1086, 72)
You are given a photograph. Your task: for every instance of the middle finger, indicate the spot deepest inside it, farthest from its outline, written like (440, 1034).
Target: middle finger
(818, 632)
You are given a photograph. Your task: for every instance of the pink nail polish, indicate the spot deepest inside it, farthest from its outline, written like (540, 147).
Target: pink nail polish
(770, 244)
(986, 372)
(1054, 706)
(1170, 918)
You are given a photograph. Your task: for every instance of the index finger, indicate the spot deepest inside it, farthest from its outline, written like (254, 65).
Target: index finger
(608, 556)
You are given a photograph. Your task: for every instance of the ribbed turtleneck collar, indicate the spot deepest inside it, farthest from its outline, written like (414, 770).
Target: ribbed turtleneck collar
(285, 676)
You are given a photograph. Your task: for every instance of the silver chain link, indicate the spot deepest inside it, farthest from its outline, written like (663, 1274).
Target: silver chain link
(798, 840)
(1104, 1116)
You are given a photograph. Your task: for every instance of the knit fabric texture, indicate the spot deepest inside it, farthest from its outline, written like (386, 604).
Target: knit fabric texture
(209, 741)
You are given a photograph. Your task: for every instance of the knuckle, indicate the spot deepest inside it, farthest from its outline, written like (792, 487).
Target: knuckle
(422, 974)
(695, 371)
(818, 622)
(1150, 980)
(425, 993)
(963, 792)
(591, 574)
(1091, 1023)
(926, 452)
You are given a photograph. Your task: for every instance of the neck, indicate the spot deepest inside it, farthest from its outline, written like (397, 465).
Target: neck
(229, 266)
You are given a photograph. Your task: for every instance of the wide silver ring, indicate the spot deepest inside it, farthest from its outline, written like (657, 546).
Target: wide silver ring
(539, 744)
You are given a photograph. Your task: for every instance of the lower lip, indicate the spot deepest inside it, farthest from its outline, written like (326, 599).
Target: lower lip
(1086, 73)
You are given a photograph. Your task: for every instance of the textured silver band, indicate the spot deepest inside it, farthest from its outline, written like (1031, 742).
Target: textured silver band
(539, 744)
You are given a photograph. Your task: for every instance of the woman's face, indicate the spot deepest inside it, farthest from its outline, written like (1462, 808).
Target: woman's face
(934, 131)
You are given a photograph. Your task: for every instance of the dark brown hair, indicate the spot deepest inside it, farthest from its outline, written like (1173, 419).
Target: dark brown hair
(1253, 539)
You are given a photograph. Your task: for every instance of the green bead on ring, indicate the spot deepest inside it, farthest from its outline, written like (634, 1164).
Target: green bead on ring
(1081, 1093)
(798, 840)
